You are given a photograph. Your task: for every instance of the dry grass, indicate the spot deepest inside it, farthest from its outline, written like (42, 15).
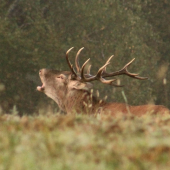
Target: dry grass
(54, 142)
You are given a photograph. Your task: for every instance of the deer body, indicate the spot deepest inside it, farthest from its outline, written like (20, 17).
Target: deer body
(114, 108)
(72, 90)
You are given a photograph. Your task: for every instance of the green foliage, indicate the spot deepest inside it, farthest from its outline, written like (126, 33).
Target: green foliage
(83, 142)
(36, 34)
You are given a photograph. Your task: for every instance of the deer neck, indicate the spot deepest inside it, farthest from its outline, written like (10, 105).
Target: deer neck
(58, 96)
(81, 102)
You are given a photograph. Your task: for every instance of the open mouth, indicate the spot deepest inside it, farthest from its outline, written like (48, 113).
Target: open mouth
(41, 88)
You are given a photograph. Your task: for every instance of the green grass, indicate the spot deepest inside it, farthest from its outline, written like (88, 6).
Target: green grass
(54, 142)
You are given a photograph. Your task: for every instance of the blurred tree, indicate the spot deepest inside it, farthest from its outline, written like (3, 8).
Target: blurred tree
(157, 13)
(36, 34)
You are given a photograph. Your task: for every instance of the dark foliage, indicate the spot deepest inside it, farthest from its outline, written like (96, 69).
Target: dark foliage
(36, 34)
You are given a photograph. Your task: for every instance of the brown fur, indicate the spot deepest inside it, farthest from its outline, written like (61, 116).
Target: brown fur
(75, 96)
(135, 110)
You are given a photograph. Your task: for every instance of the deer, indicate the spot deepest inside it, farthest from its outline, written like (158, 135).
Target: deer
(72, 90)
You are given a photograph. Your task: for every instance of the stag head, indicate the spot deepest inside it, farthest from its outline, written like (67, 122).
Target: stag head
(71, 89)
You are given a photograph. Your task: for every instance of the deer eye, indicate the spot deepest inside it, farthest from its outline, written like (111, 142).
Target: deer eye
(61, 77)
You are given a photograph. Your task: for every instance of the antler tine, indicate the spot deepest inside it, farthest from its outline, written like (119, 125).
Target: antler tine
(69, 63)
(109, 58)
(98, 76)
(124, 71)
(77, 60)
(82, 70)
(100, 71)
(140, 78)
(133, 75)
(110, 82)
(107, 81)
(125, 68)
(88, 70)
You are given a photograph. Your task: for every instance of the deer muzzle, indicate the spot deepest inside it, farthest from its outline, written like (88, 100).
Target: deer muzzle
(41, 88)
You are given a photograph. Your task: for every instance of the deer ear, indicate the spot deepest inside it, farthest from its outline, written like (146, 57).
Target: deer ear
(80, 86)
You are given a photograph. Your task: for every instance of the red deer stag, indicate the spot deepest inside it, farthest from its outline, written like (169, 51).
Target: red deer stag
(71, 90)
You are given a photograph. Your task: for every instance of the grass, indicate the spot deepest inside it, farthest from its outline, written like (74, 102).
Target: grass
(81, 142)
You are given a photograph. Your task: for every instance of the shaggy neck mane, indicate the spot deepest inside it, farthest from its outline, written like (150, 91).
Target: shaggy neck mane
(82, 101)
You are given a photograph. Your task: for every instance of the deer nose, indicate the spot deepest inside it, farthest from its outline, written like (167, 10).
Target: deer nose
(42, 71)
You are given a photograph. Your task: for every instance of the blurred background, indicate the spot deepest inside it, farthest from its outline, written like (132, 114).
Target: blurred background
(36, 34)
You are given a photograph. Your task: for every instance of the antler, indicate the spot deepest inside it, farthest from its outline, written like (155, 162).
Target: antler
(101, 74)
(77, 60)
(69, 63)
(124, 71)
(78, 73)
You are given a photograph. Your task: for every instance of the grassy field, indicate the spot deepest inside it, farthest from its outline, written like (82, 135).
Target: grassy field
(55, 142)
